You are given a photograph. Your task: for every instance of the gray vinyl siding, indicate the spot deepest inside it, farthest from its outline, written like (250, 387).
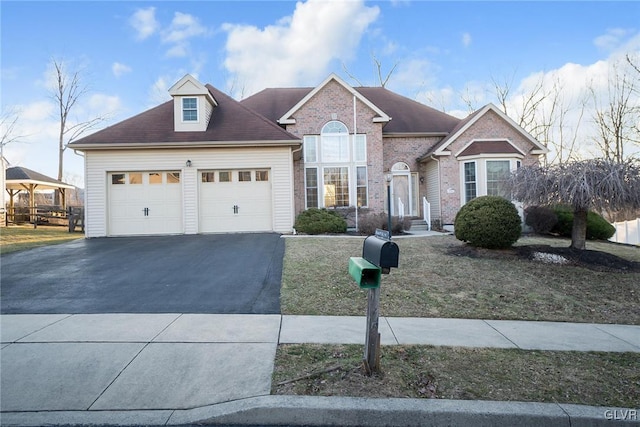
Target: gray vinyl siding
(433, 189)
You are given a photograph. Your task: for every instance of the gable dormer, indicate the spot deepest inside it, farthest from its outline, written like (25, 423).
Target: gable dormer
(192, 105)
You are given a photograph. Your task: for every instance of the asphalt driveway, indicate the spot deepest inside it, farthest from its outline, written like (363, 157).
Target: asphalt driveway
(231, 273)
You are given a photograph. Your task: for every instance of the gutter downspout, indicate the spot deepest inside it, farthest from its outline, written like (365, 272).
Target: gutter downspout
(354, 144)
(292, 180)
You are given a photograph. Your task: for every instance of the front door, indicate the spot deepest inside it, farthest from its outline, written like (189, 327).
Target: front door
(401, 194)
(404, 189)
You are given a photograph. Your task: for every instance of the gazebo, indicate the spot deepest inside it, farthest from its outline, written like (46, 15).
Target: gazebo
(22, 179)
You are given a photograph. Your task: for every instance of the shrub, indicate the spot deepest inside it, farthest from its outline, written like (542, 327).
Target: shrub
(489, 222)
(540, 218)
(319, 221)
(598, 228)
(368, 223)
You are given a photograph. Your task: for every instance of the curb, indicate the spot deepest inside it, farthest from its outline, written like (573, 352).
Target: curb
(348, 411)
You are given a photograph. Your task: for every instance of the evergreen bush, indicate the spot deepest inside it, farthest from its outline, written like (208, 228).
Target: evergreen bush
(488, 221)
(320, 221)
(598, 228)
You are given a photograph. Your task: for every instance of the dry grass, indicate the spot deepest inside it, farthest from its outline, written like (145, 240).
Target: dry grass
(17, 238)
(433, 282)
(602, 379)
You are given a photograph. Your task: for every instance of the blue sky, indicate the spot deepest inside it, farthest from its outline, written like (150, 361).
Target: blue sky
(130, 53)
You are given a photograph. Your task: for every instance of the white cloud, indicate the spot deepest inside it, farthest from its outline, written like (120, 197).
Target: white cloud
(298, 49)
(144, 22)
(466, 39)
(612, 39)
(119, 69)
(183, 27)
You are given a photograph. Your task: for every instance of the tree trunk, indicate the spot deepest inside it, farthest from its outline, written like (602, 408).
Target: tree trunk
(579, 230)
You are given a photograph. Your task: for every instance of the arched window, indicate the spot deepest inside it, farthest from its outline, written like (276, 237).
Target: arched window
(334, 139)
(400, 166)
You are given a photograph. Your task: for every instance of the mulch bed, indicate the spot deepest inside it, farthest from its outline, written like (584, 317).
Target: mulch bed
(593, 260)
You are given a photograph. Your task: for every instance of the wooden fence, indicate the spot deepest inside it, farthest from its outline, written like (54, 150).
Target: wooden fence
(627, 232)
(71, 217)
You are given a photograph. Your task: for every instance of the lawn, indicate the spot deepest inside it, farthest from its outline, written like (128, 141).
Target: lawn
(598, 379)
(17, 238)
(440, 277)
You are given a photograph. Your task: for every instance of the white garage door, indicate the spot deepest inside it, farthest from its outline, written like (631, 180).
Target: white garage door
(235, 200)
(142, 203)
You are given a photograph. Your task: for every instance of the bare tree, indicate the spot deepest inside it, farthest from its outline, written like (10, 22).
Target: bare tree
(616, 117)
(600, 184)
(382, 79)
(68, 90)
(8, 122)
(545, 111)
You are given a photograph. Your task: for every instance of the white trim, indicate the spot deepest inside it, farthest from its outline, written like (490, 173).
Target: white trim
(490, 107)
(491, 156)
(473, 141)
(200, 89)
(287, 119)
(186, 145)
(182, 109)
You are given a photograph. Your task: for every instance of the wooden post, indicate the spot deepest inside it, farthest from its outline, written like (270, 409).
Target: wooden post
(372, 339)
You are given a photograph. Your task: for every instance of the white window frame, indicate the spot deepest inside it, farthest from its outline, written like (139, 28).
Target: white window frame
(318, 188)
(352, 155)
(310, 144)
(481, 172)
(196, 109)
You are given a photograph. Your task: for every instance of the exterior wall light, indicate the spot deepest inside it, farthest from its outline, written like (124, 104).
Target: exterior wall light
(188, 163)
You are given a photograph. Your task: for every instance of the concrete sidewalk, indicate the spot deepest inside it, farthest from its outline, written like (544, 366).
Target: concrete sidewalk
(157, 369)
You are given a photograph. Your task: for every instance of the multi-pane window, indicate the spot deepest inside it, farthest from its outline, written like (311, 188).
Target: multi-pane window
(336, 187)
(311, 185)
(361, 185)
(360, 149)
(335, 142)
(310, 148)
(470, 183)
(497, 171)
(189, 109)
(335, 167)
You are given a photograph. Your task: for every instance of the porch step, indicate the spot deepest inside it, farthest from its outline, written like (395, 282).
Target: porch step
(419, 224)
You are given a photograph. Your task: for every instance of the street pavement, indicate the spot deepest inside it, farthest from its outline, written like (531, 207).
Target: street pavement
(176, 369)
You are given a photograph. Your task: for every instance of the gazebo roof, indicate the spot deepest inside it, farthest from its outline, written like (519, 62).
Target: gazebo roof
(20, 178)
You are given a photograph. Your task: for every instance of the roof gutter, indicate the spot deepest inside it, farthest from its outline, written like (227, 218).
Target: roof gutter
(183, 145)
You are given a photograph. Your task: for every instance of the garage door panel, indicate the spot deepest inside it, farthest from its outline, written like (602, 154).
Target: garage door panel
(236, 205)
(142, 203)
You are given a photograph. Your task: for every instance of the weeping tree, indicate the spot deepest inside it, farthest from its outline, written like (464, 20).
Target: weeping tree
(595, 184)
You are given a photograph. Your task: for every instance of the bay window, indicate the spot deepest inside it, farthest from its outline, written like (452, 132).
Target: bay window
(485, 177)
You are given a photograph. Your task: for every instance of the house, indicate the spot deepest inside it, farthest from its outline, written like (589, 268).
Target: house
(204, 162)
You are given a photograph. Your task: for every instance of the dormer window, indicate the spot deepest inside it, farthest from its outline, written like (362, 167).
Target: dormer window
(189, 109)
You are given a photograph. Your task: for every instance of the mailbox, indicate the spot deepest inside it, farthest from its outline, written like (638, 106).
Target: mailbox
(366, 275)
(381, 252)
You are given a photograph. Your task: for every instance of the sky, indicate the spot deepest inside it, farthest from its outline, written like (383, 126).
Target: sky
(128, 54)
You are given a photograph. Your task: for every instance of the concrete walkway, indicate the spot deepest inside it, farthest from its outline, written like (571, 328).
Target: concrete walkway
(157, 369)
